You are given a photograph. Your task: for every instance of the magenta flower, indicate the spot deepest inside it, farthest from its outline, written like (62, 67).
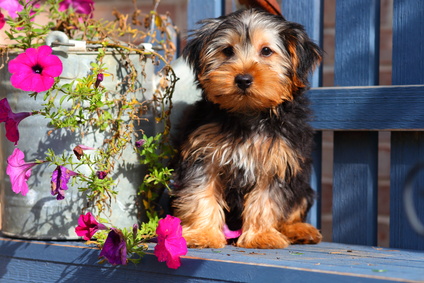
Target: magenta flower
(80, 6)
(101, 174)
(140, 143)
(115, 248)
(2, 20)
(11, 6)
(11, 120)
(19, 171)
(59, 182)
(230, 234)
(99, 79)
(88, 226)
(35, 69)
(171, 244)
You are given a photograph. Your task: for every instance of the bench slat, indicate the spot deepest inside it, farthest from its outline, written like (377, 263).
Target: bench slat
(24, 261)
(309, 14)
(200, 10)
(355, 154)
(406, 151)
(384, 108)
(407, 148)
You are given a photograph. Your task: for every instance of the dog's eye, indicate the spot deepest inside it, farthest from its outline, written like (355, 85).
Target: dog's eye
(228, 51)
(266, 52)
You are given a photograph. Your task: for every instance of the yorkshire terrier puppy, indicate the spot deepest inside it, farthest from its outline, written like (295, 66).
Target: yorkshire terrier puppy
(245, 147)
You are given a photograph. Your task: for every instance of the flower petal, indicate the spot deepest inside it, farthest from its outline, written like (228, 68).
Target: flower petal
(19, 171)
(79, 6)
(22, 80)
(169, 227)
(4, 110)
(12, 132)
(11, 6)
(115, 248)
(59, 181)
(2, 20)
(173, 262)
(231, 234)
(41, 83)
(161, 252)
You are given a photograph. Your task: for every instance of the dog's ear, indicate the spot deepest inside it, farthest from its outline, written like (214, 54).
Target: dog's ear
(305, 54)
(197, 41)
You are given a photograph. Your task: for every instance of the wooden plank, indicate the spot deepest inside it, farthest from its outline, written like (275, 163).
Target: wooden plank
(357, 43)
(356, 63)
(314, 215)
(406, 148)
(406, 151)
(386, 108)
(355, 217)
(199, 10)
(310, 15)
(32, 261)
(408, 42)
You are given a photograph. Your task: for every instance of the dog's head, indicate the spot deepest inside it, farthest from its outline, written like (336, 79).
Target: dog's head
(251, 60)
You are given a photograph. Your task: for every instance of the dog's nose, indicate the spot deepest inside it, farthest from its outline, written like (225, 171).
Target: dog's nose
(244, 81)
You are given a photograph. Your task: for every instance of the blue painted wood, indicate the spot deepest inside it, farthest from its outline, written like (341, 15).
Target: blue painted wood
(199, 9)
(388, 108)
(357, 43)
(406, 151)
(314, 215)
(310, 15)
(355, 154)
(407, 148)
(408, 42)
(32, 261)
(355, 188)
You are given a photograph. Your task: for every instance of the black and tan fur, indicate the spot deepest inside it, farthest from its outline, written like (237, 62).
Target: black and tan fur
(245, 147)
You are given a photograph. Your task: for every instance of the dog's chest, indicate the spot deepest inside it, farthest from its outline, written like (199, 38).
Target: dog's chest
(257, 155)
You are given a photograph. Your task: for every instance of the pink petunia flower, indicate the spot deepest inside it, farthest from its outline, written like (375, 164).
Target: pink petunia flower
(12, 7)
(80, 6)
(88, 226)
(230, 234)
(35, 69)
(11, 120)
(59, 182)
(19, 171)
(115, 248)
(2, 20)
(171, 244)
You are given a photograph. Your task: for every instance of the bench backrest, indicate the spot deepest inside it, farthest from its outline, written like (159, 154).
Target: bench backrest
(357, 108)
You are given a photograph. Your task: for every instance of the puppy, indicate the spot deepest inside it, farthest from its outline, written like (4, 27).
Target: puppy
(245, 148)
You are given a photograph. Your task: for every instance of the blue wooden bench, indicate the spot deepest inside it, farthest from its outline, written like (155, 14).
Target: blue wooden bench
(356, 109)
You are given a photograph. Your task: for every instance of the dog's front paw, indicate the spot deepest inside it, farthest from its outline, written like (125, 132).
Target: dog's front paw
(204, 238)
(271, 239)
(302, 233)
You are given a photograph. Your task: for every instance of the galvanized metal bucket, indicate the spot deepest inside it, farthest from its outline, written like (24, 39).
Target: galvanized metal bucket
(38, 215)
